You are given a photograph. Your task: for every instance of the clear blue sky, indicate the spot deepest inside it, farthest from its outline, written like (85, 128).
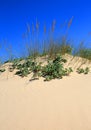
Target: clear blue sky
(14, 14)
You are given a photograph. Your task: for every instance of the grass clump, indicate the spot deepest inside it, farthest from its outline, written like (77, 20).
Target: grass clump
(84, 52)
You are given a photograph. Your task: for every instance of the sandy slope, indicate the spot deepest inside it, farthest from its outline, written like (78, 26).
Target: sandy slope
(56, 105)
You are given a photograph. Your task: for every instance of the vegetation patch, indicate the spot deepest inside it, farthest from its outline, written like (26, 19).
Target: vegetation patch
(2, 70)
(84, 71)
(55, 69)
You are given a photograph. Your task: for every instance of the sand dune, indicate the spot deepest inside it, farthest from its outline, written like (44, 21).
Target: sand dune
(56, 105)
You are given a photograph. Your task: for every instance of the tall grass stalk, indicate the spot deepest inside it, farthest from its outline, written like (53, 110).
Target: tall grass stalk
(50, 44)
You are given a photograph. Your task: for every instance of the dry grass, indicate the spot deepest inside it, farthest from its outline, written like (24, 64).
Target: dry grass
(46, 44)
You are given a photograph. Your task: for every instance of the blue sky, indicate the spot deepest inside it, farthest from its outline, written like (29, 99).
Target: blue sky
(15, 14)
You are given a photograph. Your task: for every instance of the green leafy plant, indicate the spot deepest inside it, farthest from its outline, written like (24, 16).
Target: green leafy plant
(84, 71)
(16, 62)
(27, 67)
(36, 69)
(2, 70)
(54, 69)
(68, 71)
(23, 72)
(80, 70)
(24, 69)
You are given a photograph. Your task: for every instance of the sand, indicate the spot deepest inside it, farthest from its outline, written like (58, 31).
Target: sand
(63, 104)
(56, 105)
